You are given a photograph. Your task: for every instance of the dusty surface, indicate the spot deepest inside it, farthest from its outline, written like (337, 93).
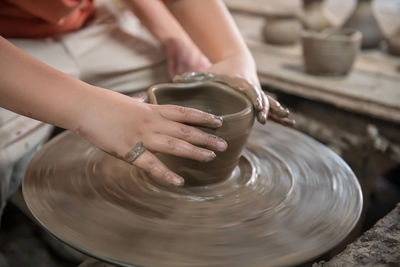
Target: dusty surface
(290, 199)
(379, 246)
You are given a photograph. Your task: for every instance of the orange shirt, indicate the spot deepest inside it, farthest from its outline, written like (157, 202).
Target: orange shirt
(43, 18)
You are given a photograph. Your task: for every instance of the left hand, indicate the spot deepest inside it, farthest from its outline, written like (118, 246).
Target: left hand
(240, 73)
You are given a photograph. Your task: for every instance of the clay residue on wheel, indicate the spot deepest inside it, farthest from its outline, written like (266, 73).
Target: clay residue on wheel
(289, 199)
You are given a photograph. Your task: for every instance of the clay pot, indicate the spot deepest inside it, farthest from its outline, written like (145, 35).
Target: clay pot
(314, 17)
(387, 15)
(282, 30)
(393, 43)
(364, 20)
(220, 100)
(331, 52)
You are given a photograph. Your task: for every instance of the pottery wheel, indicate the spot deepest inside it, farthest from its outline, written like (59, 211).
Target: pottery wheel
(289, 200)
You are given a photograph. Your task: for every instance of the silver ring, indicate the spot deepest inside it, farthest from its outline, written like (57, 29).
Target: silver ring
(135, 152)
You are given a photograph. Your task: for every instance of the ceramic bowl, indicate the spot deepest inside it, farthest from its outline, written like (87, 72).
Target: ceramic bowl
(218, 99)
(331, 52)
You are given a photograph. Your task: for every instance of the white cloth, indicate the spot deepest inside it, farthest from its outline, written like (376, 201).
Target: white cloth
(113, 51)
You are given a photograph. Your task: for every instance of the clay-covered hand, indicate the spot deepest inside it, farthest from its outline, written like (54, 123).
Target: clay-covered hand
(183, 56)
(266, 106)
(118, 122)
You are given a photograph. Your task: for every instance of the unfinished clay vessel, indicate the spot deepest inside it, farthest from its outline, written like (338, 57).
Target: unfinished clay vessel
(393, 43)
(282, 29)
(387, 15)
(314, 17)
(331, 52)
(221, 100)
(364, 20)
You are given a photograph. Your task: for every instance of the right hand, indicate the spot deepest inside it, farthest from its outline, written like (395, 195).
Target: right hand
(183, 56)
(115, 123)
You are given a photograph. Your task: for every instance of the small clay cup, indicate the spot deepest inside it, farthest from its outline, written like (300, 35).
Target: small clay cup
(282, 29)
(331, 52)
(218, 99)
(393, 43)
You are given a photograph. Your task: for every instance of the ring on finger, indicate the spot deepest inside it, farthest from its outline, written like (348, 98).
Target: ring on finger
(135, 152)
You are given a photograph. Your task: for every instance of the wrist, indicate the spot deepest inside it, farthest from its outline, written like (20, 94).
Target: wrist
(88, 107)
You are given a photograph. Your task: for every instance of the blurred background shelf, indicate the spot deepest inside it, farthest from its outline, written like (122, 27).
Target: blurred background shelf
(372, 87)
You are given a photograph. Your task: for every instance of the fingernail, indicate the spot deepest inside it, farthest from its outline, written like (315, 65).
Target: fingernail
(280, 112)
(217, 120)
(259, 104)
(208, 156)
(176, 180)
(286, 112)
(173, 178)
(221, 144)
(262, 117)
(291, 122)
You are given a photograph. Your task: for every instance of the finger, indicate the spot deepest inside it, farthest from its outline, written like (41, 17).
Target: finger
(254, 94)
(151, 164)
(283, 121)
(262, 116)
(171, 67)
(189, 115)
(173, 146)
(194, 136)
(277, 109)
(265, 103)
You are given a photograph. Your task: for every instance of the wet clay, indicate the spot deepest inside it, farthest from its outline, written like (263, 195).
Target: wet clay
(238, 118)
(289, 199)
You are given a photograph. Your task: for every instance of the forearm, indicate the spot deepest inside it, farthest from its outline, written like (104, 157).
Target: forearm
(212, 28)
(36, 90)
(155, 16)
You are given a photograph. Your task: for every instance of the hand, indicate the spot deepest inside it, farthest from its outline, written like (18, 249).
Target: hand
(239, 72)
(183, 56)
(240, 75)
(116, 123)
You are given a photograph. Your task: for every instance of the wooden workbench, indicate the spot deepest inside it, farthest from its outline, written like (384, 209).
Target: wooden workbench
(372, 88)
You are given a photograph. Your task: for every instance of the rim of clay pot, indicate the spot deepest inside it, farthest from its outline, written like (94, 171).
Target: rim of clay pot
(182, 86)
(334, 34)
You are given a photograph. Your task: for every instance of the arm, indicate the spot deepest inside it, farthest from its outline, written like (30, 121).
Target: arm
(212, 28)
(109, 120)
(209, 25)
(50, 11)
(181, 52)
